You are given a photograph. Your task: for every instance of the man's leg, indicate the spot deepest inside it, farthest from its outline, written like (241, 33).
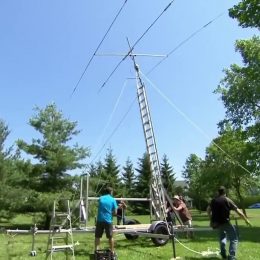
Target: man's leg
(109, 234)
(97, 243)
(190, 233)
(111, 244)
(112, 248)
(232, 235)
(222, 241)
(98, 234)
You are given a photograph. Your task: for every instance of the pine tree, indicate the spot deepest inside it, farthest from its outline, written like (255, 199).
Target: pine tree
(98, 180)
(143, 184)
(53, 154)
(128, 178)
(144, 177)
(167, 175)
(111, 172)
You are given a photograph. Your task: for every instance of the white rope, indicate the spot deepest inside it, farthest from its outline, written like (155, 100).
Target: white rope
(202, 253)
(196, 252)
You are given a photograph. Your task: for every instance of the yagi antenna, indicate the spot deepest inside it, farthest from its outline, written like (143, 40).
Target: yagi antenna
(128, 54)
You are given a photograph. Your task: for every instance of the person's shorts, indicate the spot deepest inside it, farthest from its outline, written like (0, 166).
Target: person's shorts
(101, 226)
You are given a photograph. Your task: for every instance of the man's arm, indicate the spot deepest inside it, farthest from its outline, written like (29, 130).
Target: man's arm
(178, 208)
(233, 206)
(241, 214)
(115, 208)
(124, 205)
(209, 211)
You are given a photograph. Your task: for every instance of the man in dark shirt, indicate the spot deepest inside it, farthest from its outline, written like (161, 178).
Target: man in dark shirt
(219, 213)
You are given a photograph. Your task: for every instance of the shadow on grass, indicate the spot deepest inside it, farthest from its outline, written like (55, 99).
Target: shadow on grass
(141, 242)
(82, 252)
(131, 245)
(249, 234)
(201, 217)
(17, 226)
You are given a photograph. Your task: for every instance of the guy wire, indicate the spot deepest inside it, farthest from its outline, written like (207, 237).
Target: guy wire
(183, 42)
(111, 115)
(114, 131)
(193, 123)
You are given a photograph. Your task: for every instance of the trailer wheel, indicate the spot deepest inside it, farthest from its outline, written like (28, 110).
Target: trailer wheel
(160, 229)
(131, 222)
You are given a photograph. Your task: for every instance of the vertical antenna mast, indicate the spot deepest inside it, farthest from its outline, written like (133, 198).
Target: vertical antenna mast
(157, 193)
(158, 203)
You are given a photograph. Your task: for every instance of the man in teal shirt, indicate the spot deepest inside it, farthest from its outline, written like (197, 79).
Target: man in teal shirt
(107, 207)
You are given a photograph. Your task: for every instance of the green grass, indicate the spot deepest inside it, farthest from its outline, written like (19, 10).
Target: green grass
(14, 247)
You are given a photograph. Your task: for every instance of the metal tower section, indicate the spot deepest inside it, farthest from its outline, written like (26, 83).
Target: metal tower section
(158, 203)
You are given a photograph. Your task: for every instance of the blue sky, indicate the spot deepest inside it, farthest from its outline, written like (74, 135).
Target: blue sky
(45, 46)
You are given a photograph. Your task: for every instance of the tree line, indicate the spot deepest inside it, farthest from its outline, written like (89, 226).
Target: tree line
(31, 185)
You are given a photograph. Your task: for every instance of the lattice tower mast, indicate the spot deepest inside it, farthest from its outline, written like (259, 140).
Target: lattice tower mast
(157, 194)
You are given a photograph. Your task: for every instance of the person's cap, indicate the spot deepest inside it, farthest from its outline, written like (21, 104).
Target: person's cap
(176, 197)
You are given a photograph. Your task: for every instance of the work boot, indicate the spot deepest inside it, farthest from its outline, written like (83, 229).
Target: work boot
(114, 256)
(223, 255)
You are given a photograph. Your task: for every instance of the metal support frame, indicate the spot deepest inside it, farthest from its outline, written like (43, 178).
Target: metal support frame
(158, 202)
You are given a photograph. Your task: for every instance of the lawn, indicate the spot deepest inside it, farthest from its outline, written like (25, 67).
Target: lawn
(17, 246)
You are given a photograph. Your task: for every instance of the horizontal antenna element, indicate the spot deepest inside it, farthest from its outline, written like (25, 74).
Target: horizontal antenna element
(131, 54)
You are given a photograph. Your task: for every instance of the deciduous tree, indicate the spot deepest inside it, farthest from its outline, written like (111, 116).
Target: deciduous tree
(231, 165)
(247, 12)
(192, 173)
(240, 88)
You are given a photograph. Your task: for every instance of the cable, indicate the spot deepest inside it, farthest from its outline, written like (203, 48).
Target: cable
(183, 42)
(112, 114)
(137, 41)
(118, 125)
(111, 135)
(194, 124)
(109, 28)
(203, 253)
